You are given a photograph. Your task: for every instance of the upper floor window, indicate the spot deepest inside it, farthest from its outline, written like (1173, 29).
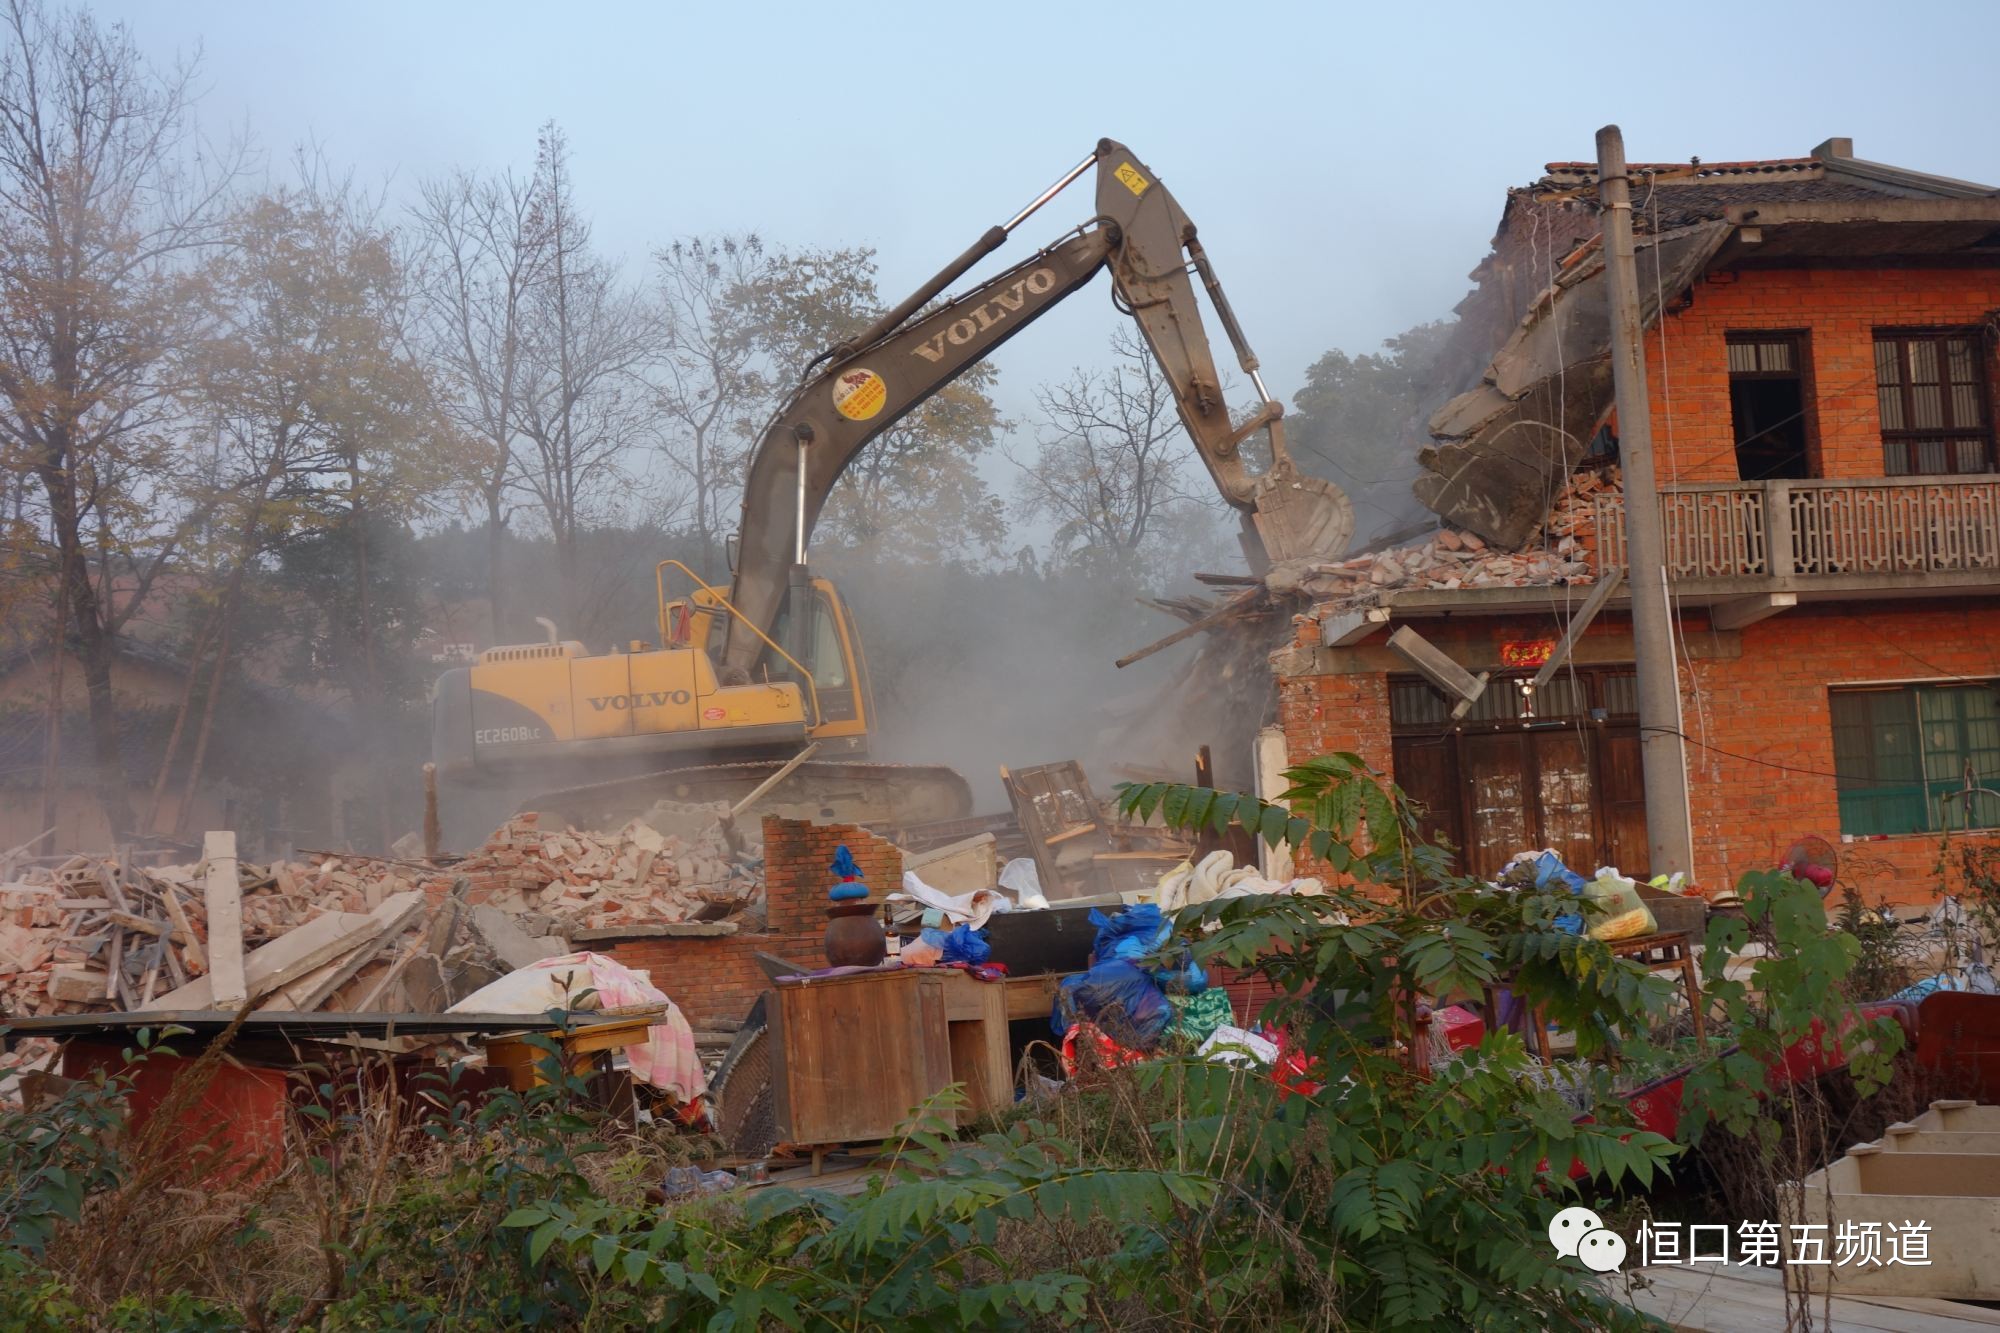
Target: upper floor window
(1768, 406)
(1931, 388)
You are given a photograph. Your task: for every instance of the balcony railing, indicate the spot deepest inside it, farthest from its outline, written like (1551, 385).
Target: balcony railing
(1779, 529)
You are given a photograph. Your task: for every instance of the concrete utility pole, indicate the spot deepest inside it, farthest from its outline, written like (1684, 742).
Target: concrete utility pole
(1663, 757)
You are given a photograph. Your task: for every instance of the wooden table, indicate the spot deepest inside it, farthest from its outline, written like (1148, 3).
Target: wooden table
(1035, 996)
(521, 1059)
(856, 1054)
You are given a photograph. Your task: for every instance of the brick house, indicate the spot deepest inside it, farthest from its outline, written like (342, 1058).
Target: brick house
(1823, 344)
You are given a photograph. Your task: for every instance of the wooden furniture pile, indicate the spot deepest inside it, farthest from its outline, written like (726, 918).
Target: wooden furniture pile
(850, 1056)
(1082, 847)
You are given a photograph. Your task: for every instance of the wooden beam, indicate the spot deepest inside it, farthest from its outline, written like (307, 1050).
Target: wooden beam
(1351, 627)
(227, 989)
(196, 957)
(1578, 623)
(1740, 611)
(1215, 617)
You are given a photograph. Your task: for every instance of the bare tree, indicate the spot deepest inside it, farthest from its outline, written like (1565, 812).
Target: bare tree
(488, 246)
(107, 212)
(1111, 464)
(709, 394)
(589, 342)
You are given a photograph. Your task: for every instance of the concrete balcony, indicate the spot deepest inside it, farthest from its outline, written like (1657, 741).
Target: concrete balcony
(1879, 533)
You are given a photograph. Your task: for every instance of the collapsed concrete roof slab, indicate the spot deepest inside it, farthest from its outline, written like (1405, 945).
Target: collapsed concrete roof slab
(1507, 445)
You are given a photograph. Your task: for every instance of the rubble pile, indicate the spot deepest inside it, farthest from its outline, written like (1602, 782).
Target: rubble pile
(100, 932)
(72, 934)
(1453, 559)
(589, 880)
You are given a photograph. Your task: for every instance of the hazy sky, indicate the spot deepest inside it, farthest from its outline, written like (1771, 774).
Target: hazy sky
(1346, 166)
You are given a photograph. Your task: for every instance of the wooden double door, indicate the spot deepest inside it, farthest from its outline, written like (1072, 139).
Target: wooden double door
(1496, 785)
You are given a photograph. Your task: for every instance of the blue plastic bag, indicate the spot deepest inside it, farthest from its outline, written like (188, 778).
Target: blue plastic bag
(1133, 933)
(1118, 998)
(1551, 874)
(966, 945)
(1184, 977)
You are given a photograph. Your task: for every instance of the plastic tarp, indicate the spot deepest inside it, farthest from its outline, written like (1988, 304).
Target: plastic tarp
(665, 1060)
(1020, 878)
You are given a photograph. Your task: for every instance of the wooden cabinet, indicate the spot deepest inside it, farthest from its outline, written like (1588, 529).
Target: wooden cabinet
(858, 1053)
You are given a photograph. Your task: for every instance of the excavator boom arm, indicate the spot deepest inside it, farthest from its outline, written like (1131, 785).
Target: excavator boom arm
(868, 385)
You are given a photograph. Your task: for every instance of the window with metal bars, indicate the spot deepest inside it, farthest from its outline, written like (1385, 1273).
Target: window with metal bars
(1917, 758)
(1930, 387)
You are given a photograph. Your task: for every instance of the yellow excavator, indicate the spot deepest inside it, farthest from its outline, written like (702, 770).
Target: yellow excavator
(760, 694)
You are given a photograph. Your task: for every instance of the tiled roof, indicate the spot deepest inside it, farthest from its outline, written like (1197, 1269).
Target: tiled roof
(1776, 166)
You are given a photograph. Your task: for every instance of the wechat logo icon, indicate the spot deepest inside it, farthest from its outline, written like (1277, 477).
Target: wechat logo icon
(1581, 1234)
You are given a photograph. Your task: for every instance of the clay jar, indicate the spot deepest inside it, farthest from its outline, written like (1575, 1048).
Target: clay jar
(854, 937)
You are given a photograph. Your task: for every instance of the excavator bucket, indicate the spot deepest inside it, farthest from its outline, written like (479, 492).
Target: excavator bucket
(1301, 519)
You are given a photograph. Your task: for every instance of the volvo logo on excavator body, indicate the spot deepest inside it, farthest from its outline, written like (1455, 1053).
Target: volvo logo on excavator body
(985, 315)
(651, 699)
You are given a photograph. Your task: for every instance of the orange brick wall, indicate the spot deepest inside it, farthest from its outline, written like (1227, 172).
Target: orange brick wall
(1838, 310)
(1752, 717)
(1771, 705)
(717, 977)
(1328, 714)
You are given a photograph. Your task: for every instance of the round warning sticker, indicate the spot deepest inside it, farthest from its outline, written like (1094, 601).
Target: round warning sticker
(859, 394)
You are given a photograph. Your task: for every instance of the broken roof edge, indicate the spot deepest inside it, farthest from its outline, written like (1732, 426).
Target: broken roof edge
(1505, 447)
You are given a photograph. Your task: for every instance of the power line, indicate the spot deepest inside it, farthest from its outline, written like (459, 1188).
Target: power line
(1786, 768)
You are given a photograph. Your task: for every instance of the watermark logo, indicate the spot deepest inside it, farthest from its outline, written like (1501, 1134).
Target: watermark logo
(1581, 1234)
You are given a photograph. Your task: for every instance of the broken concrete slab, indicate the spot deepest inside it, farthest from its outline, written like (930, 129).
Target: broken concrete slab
(511, 945)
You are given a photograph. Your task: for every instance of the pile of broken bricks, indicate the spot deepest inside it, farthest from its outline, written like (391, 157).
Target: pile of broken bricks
(1563, 553)
(349, 934)
(638, 875)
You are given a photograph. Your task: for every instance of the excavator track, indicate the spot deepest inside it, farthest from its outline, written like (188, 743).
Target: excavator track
(827, 791)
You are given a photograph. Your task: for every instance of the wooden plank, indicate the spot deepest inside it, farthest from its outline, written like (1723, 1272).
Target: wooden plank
(313, 990)
(197, 961)
(1209, 621)
(227, 985)
(133, 921)
(295, 954)
(366, 1003)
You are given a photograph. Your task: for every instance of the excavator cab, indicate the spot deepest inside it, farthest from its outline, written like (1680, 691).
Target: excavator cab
(835, 669)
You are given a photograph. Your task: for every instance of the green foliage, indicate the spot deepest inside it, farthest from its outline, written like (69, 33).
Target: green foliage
(1441, 1181)
(1380, 1190)
(52, 1159)
(1797, 993)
